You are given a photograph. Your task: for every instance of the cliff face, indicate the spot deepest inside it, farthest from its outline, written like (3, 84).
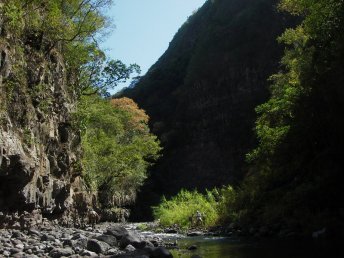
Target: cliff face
(202, 93)
(39, 149)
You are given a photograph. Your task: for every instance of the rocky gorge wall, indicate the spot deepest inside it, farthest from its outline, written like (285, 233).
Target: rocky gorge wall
(202, 93)
(39, 149)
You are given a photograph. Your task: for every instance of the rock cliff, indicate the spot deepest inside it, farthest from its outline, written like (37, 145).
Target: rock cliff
(39, 149)
(201, 94)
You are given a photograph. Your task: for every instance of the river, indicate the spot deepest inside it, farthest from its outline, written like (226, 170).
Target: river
(218, 247)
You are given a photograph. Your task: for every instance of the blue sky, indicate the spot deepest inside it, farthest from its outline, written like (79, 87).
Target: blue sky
(144, 29)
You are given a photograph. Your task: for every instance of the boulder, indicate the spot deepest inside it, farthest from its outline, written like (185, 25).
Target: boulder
(117, 231)
(60, 252)
(113, 251)
(81, 243)
(34, 232)
(157, 252)
(195, 233)
(88, 253)
(130, 239)
(129, 248)
(97, 246)
(109, 239)
(68, 242)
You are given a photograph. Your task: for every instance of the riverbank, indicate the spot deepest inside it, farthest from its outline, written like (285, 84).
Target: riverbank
(104, 240)
(150, 240)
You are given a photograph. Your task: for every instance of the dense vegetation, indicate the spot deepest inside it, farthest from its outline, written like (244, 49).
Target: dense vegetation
(182, 209)
(116, 144)
(201, 95)
(117, 147)
(296, 169)
(295, 172)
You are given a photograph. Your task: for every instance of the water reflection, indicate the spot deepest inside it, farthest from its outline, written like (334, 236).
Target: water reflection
(231, 248)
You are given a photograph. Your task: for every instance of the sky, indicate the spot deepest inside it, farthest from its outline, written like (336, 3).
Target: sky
(144, 28)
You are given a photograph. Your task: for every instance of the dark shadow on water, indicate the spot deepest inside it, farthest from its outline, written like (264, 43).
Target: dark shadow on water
(231, 248)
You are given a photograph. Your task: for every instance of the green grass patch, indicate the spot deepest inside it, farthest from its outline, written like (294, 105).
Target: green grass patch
(182, 208)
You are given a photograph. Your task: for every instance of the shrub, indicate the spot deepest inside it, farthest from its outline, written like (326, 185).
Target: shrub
(181, 208)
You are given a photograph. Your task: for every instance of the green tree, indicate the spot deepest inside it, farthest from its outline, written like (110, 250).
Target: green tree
(295, 168)
(118, 148)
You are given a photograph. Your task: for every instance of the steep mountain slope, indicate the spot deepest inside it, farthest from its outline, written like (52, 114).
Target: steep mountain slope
(39, 148)
(202, 92)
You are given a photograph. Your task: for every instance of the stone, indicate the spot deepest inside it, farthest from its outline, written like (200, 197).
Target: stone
(47, 237)
(130, 239)
(195, 233)
(112, 251)
(88, 253)
(109, 239)
(77, 236)
(170, 231)
(157, 252)
(17, 234)
(60, 252)
(117, 231)
(7, 245)
(192, 247)
(161, 252)
(19, 255)
(20, 246)
(80, 243)
(129, 248)
(68, 242)
(97, 246)
(16, 241)
(34, 232)
(144, 244)
(319, 233)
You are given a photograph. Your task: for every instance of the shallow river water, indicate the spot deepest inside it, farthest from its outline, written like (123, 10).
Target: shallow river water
(219, 247)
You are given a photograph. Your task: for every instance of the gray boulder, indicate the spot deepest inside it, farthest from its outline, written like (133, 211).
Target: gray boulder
(117, 231)
(97, 246)
(109, 239)
(157, 252)
(81, 243)
(195, 233)
(88, 253)
(60, 252)
(34, 232)
(130, 239)
(130, 248)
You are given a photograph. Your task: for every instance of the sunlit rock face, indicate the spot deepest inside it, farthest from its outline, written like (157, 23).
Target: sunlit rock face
(39, 149)
(202, 93)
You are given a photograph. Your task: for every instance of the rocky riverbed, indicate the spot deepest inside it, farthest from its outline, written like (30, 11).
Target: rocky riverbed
(105, 240)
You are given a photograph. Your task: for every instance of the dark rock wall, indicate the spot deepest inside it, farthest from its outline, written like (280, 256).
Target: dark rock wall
(39, 149)
(202, 93)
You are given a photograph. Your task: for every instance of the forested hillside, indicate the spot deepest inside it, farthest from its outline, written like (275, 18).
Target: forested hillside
(293, 184)
(65, 147)
(296, 170)
(202, 93)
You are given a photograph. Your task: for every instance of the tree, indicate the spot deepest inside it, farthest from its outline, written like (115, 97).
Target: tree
(118, 148)
(74, 27)
(296, 168)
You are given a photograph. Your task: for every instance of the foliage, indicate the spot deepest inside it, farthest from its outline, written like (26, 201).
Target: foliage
(184, 206)
(295, 170)
(215, 206)
(201, 94)
(74, 27)
(116, 153)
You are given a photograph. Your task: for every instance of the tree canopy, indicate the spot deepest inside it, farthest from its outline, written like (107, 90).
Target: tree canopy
(118, 148)
(296, 168)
